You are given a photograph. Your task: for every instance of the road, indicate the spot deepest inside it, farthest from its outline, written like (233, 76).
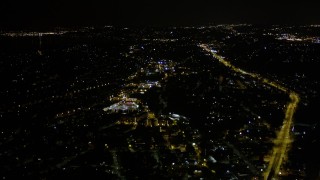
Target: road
(283, 140)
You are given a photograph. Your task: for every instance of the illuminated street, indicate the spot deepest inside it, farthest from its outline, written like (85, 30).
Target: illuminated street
(284, 138)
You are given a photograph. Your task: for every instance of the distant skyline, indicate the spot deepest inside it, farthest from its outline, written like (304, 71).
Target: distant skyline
(32, 14)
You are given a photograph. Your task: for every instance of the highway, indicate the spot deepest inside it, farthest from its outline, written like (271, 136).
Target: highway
(283, 139)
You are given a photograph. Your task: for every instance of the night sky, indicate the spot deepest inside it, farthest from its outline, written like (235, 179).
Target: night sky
(53, 13)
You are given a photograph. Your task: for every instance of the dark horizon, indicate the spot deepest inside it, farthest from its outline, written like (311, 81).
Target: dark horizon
(22, 15)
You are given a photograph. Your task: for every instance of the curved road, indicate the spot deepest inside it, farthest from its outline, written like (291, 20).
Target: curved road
(283, 140)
